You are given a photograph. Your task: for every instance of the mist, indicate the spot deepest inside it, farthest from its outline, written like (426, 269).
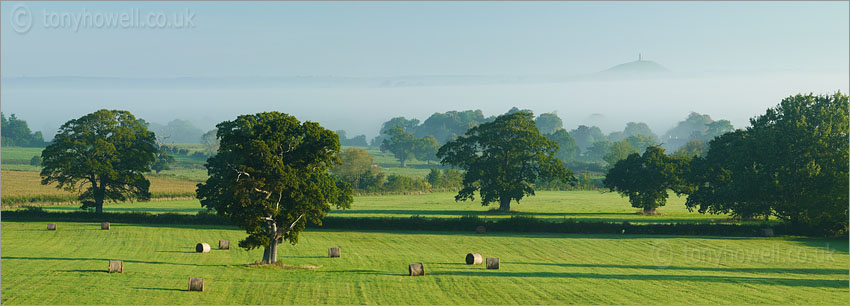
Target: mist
(360, 106)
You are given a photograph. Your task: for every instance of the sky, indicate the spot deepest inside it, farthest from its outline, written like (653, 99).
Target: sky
(732, 59)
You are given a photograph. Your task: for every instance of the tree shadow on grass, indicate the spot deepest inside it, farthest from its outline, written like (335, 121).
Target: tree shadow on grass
(660, 277)
(108, 259)
(711, 269)
(372, 272)
(175, 251)
(160, 289)
(84, 271)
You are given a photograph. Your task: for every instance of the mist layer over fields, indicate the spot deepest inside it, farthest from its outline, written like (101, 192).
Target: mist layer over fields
(360, 105)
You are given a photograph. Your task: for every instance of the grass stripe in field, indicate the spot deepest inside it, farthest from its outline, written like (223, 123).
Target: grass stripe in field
(550, 205)
(68, 267)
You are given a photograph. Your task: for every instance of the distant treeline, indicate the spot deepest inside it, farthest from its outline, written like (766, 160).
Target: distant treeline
(584, 147)
(16, 133)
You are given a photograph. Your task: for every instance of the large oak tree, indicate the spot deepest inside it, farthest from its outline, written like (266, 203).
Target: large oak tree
(103, 154)
(646, 178)
(270, 176)
(503, 159)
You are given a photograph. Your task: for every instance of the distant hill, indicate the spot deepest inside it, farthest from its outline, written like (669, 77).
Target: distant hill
(636, 69)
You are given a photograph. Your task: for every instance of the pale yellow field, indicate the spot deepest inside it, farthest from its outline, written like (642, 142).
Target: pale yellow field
(28, 184)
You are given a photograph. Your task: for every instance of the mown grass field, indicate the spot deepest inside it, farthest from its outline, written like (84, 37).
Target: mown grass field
(549, 205)
(19, 154)
(68, 266)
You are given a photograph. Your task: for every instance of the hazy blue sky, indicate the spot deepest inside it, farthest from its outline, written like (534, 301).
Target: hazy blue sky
(433, 38)
(738, 58)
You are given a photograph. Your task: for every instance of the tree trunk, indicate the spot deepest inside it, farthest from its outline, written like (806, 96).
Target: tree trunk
(270, 253)
(98, 204)
(404, 163)
(505, 204)
(649, 211)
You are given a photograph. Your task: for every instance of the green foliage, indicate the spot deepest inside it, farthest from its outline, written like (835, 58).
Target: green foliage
(16, 132)
(400, 142)
(163, 160)
(35, 160)
(446, 179)
(641, 142)
(568, 149)
(447, 126)
(355, 164)
(357, 141)
(596, 153)
(695, 127)
(502, 159)
(586, 136)
(639, 129)
(426, 149)
(210, 142)
(178, 131)
(792, 163)
(270, 176)
(408, 125)
(548, 123)
(646, 178)
(104, 154)
(694, 148)
(618, 151)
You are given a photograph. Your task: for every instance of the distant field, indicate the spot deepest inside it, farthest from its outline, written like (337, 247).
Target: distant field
(390, 165)
(18, 155)
(550, 205)
(68, 267)
(18, 185)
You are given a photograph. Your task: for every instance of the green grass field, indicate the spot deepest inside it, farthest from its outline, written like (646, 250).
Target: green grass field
(19, 153)
(68, 266)
(551, 205)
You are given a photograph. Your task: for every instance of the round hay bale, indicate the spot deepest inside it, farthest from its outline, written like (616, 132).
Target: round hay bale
(116, 266)
(51, 226)
(333, 252)
(480, 229)
(474, 259)
(104, 225)
(493, 263)
(417, 269)
(202, 248)
(196, 284)
(224, 244)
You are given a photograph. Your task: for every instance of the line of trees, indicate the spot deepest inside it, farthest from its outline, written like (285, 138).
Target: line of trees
(16, 133)
(790, 163)
(358, 169)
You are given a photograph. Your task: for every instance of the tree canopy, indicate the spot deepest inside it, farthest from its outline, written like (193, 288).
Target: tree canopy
(270, 176)
(16, 132)
(792, 162)
(548, 123)
(646, 178)
(401, 143)
(568, 149)
(695, 126)
(354, 164)
(104, 154)
(426, 149)
(503, 159)
(586, 136)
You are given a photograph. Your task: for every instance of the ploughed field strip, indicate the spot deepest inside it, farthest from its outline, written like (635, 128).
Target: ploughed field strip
(69, 266)
(547, 205)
